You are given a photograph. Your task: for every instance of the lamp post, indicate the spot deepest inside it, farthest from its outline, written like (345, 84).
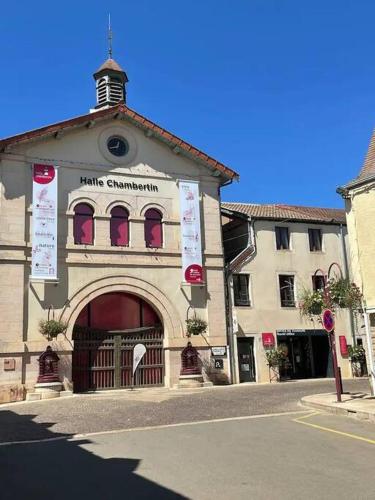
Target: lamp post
(329, 326)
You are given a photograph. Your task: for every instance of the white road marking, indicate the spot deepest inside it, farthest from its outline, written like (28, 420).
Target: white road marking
(150, 428)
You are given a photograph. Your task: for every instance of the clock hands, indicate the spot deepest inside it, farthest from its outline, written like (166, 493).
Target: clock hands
(115, 147)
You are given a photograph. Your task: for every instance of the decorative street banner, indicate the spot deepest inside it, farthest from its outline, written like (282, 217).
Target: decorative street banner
(44, 234)
(191, 246)
(138, 352)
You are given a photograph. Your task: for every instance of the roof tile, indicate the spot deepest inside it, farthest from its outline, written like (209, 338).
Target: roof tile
(289, 212)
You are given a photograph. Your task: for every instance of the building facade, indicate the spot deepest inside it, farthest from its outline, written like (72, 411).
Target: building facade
(359, 197)
(273, 253)
(119, 252)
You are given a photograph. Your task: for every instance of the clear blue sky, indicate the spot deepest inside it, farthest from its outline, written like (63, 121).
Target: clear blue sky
(283, 91)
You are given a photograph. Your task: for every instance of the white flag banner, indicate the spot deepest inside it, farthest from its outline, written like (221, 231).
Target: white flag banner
(44, 233)
(191, 246)
(138, 352)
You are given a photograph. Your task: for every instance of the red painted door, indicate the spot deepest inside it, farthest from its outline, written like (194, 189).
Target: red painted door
(105, 334)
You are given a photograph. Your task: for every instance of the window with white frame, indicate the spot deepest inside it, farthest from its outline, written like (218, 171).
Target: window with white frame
(282, 238)
(241, 289)
(315, 240)
(287, 290)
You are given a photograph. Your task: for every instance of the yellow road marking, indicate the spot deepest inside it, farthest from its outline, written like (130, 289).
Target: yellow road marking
(327, 429)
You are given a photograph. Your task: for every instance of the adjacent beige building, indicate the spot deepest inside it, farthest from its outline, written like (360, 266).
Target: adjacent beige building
(272, 253)
(116, 169)
(359, 196)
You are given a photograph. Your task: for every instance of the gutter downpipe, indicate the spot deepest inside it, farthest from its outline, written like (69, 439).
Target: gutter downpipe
(346, 270)
(229, 304)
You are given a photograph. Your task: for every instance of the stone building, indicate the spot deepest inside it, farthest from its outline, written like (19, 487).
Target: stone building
(119, 257)
(359, 196)
(272, 253)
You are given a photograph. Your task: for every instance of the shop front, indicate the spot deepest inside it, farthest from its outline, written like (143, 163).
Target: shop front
(307, 354)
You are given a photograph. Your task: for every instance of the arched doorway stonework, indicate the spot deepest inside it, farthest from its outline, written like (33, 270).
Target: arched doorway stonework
(170, 323)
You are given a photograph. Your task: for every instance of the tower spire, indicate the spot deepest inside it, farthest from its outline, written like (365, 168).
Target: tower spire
(110, 37)
(110, 79)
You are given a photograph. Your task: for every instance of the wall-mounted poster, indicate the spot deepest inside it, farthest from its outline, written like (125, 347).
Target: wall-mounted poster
(44, 233)
(191, 246)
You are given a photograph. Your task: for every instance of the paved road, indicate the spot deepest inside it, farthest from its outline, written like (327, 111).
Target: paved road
(127, 409)
(292, 457)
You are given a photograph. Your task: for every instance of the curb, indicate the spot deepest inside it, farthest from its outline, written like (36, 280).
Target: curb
(339, 410)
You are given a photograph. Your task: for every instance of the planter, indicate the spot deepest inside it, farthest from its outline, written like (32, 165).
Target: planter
(356, 368)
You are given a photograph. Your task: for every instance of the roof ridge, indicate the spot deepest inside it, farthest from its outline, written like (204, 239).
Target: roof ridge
(281, 205)
(138, 120)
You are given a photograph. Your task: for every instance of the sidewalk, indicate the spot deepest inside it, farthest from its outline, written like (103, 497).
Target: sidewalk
(354, 404)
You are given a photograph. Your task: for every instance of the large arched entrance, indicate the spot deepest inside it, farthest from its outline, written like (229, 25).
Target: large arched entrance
(105, 333)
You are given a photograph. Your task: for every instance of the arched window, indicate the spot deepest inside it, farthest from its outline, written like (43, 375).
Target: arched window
(119, 227)
(153, 228)
(83, 227)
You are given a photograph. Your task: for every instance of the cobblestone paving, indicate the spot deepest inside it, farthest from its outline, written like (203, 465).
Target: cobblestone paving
(129, 409)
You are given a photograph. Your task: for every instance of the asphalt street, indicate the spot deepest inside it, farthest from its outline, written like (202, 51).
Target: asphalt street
(300, 455)
(131, 409)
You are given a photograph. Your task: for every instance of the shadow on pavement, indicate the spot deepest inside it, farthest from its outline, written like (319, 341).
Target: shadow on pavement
(63, 469)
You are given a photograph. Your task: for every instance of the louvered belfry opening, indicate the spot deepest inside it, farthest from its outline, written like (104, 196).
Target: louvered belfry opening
(105, 333)
(110, 84)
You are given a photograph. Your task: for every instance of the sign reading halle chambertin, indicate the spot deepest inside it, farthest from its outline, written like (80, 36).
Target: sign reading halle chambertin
(44, 234)
(191, 246)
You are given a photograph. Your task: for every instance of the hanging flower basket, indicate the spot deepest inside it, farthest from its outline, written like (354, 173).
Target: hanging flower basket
(51, 328)
(195, 326)
(344, 294)
(312, 303)
(340, 293)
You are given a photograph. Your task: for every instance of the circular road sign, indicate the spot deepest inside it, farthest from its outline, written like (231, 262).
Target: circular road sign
(328, 320)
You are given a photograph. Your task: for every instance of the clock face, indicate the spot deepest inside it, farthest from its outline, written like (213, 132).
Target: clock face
(117, 146)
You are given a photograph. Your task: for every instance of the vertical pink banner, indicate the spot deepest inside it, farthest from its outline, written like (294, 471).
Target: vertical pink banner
(44, 222)
(191, 246)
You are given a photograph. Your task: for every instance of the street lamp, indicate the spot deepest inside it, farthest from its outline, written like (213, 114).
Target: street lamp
(331, 329)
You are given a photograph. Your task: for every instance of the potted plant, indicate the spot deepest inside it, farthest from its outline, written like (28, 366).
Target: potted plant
(51, 328)
(195, 326)
(357, 356)
(275, 358)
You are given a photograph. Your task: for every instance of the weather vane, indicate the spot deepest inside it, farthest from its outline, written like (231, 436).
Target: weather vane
(109, 37)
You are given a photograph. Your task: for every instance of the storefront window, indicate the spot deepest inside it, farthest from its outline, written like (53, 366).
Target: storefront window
(83, 226)
(119, 227)
(153, 228)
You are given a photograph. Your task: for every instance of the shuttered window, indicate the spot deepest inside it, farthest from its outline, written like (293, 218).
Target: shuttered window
(83, 224)
(153, 229)
(119, 227)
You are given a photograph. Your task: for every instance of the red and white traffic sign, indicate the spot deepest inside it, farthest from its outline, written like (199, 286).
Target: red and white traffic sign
(328, 320)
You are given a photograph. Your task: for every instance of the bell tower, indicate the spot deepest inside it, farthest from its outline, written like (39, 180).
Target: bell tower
(110, 80)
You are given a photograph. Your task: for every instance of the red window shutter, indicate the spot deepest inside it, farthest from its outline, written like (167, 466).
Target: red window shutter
(119, 227)
(343, 345)
(153, 229)
(83, 227)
